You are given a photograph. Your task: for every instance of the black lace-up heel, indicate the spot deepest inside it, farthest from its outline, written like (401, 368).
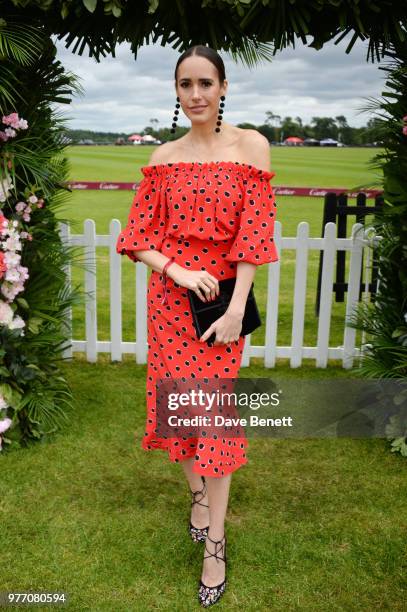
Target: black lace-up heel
(210, 595)
(197, 534)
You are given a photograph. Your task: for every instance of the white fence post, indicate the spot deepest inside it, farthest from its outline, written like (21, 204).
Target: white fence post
(273, 291)
(355, 276)
(300, 289)
(141, 312)
(64, 232)
(324, 320)
(90, 288)
(115, 293)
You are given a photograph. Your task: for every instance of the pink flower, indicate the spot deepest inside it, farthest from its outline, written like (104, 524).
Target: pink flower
(14, 123)
(23, 273)
(9, 292)
(33, 199)
(405, 130)
(3, 266)
(5, 424)
(5, 186)
(6, 313)
(405, 118)
(12, 275)
(12, 259)
(10, 132)
(40, 203)
(17, 323)
(12, 119)
(20, 206)
(12, 243)
(26, 217)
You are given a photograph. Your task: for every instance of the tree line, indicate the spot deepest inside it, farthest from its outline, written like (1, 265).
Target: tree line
(275, 129)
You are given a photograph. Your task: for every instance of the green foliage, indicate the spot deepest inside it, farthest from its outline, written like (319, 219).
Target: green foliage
(385, 320)
(30, 380)
(250, 30)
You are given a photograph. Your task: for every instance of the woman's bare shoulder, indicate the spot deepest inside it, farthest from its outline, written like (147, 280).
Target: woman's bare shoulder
(257, 149)
(162, 154)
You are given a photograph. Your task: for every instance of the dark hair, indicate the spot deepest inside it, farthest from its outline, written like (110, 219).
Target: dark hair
(207, 52)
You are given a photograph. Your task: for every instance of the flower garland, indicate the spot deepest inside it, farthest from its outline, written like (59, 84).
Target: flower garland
(12, 274)
(13, 123)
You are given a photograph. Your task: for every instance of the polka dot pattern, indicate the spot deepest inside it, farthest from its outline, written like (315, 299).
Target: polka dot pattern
(174, 351)
(216, 201)
(208, 216)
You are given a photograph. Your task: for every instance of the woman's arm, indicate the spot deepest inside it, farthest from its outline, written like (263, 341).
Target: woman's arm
(245, 271)
(157, 260)
(153, 258)
(244, 278)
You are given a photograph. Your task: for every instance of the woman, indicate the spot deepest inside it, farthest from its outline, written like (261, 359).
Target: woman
(203, 212)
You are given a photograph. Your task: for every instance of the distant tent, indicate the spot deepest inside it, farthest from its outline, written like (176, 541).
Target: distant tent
(138, 140)
(329, 142)
(293, 140)
(311, 142)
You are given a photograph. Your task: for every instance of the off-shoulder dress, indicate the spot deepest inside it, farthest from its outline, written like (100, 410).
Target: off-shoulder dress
(208, 216)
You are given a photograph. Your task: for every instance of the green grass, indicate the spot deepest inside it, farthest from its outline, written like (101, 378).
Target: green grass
(293, 166)
(326, 167)
(312, 524)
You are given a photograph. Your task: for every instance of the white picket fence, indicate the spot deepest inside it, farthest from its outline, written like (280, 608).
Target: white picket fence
(296, 352)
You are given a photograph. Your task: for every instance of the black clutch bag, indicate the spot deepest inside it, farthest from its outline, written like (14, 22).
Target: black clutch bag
(205, 313)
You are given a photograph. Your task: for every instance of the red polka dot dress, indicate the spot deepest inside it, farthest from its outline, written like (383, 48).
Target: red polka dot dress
(208, 216)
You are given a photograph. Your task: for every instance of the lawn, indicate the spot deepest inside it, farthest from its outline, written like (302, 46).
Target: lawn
(293, 166)
(313, 525)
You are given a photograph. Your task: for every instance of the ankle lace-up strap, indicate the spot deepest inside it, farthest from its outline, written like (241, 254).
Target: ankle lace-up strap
(202, 492)
(217, 550)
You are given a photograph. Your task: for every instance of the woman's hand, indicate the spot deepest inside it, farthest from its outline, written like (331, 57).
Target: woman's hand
(200, 281)
(227, 328)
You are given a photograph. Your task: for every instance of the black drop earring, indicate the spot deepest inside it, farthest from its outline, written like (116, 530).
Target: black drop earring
(219, 121)
(175, 118)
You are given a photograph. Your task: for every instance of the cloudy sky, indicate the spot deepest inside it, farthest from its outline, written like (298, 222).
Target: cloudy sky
(123, 95)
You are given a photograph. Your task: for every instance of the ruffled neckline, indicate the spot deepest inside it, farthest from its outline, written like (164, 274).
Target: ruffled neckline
(230, 166)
